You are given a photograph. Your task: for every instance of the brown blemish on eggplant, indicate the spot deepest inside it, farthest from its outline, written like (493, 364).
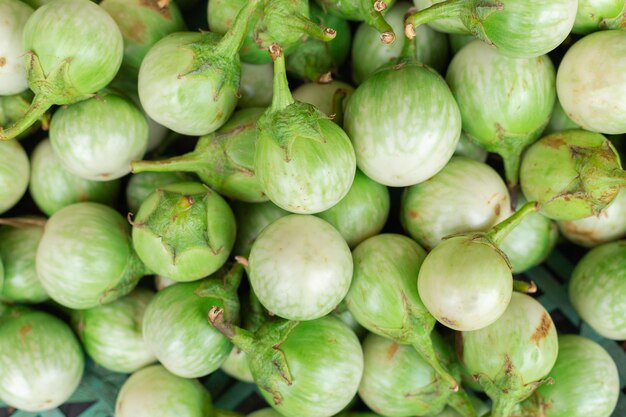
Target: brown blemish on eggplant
(449, 322)
(160, 6)
(555, 141)
(497, 209)
(543, 329)
(137, 32)
(3, 61)
(412, 214)
(392, 350)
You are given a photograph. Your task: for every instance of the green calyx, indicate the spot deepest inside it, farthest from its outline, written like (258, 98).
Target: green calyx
(446, 9)
(572, 174)
(507, 390)
(262, 349)
(184, 231)
(370, 11)
(223, 286)
(49, 89)
(224, 160)
(286, 119)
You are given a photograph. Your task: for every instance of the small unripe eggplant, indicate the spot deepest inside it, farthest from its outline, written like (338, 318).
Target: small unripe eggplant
(97, 138)
(598, 287)
(41, 363)
(465, 196)
(154, 392)
(67, 60)
(586, 382)
(290, 359)
(521, 93)
(300, 267)
(512, 356)
(572, 174)
(591, 82)
(304, 162)
(176, 330)
(184, 231)
(112, 335)
(393, 152)
(518, 28)
(53, 187)
(466, 280)
(189, 81)
(86, 258)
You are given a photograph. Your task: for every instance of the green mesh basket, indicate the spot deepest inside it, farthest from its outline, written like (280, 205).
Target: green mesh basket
(99, 387)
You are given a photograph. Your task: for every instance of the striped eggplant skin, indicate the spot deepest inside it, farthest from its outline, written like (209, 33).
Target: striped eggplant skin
(571, 174)
(325, 362)
(362, 213)
(112, 334)
(374, 302)
(184, 231)
(388, 149)
(586, 381)
(53, 187)
(142, 24)
(41, 363)
(300, 267)
(13, 79)
(176, 329)
(86, 258)
(593, 15)
(18, 249)
(398, 382)
(14, 174)
(465, 196)
(58, 31)
(171, 83)
(607, 225)
(591, 82)
(521, 95)
(155, 392)
(598, 287)
(96, 139)
(522, 28)
(368, 54)
(513, 355)
(303, 171)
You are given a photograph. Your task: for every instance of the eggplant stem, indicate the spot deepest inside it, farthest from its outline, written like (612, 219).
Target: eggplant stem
(36, 111)
(424, 346)
(299, 23)
(448, 8)
(497, 233)
(375, 19)
(524, 286)
(282, 96)
(232, 41)
(190, 162)
(239, 337)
